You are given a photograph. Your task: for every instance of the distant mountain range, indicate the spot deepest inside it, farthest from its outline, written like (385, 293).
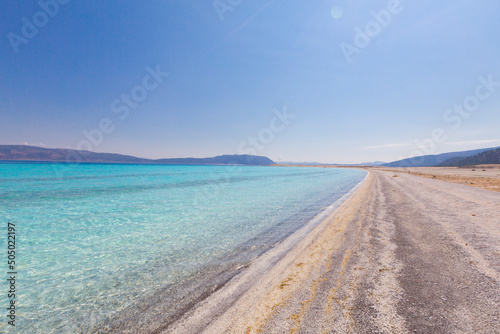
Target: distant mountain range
(374, 163)
(220, 160)
(434, 160)
(300, 163)
(483, 158)
(33, 153)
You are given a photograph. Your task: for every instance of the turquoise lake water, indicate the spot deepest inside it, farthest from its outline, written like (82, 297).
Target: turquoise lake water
(100, 245)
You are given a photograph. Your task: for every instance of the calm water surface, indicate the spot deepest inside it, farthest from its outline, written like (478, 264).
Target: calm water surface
(102, 245)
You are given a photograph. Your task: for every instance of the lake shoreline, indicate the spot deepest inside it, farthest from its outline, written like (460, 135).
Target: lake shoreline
(217, 306)
(403, 254)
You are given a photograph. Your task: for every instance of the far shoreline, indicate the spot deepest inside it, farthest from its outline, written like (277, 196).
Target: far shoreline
(480, 176)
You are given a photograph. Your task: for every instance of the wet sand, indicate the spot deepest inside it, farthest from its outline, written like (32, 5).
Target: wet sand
(403, 254)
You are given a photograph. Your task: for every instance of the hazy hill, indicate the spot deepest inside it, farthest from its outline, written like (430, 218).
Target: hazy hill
(374, 163)
(293, 163)
(483, 158)
(433, 160)
(33, 153)
(221, 159)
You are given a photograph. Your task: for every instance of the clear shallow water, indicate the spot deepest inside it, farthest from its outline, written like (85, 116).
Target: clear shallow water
(105, 245)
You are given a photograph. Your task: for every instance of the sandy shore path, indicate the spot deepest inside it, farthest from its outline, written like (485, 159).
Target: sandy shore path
(404, 254)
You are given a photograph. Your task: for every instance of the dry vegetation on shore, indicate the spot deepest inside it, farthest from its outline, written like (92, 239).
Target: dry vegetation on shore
(482, 176)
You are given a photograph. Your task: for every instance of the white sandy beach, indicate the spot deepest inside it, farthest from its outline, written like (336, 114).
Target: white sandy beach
(402, 254)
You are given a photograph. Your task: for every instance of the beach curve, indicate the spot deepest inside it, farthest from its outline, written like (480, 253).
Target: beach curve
(402, 254)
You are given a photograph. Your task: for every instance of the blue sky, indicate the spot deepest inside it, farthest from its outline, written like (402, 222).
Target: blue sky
(235, 66)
